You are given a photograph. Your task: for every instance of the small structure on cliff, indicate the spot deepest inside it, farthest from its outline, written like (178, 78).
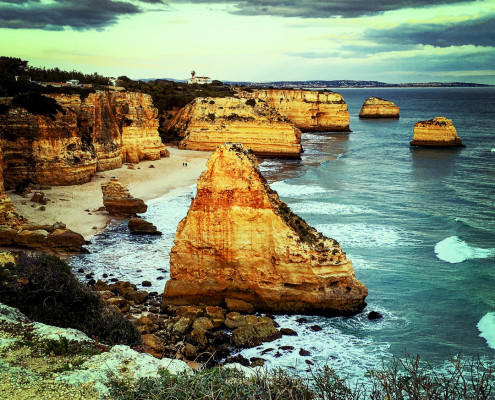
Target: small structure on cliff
(374, 107)
(118, 201)
(436, 132)
(206, 123)
(240, 241)
(308, 110)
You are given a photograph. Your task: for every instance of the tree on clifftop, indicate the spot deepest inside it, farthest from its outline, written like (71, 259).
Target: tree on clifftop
(13, 66)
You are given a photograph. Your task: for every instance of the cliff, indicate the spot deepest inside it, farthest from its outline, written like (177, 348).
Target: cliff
(206, 123)
(374, 107)
(83, 137)
(8, 214)
(309, 110)
(240, 241)
(436, 132)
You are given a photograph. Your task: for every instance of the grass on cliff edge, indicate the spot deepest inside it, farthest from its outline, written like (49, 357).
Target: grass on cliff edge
(401, 379)
(43, 288)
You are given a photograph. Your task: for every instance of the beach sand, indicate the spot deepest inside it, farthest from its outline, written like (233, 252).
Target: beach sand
(76, 205)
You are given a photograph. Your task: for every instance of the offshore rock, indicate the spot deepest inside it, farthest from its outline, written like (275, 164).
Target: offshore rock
(118, 201)
(436, 132)
(374, 107)
(141, 227)
(207, 123)
(309, 110)
(87, 135)
(240, 241)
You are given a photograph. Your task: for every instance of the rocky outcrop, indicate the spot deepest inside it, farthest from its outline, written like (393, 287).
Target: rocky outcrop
(8, 214)
(374, 107)
(139, 121)
(118, 201)
(308, 110)
(436, 132)
(240, 241)
(87, 135)
(140, 227)
(206, 123)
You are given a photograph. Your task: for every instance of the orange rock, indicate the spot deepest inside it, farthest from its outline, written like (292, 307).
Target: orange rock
(307, 109)
(206, 123)
(153, 345)
(118, 201)
(436, 132)
(8, 214)
(374, 107)
(240, 241)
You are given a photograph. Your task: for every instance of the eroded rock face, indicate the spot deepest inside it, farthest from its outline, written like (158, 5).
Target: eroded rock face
(8, 214)
(206, 123)
(436, 132)
(309, 110)
(88, 135)
(374, 107)
(118, 201)
(240, 241)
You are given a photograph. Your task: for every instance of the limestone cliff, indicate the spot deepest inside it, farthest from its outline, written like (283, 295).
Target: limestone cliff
(206, 123)
(374, 107)
(83, 137)
(309, 110)
(8, 214)
(139, 121)
(240, 241)
(436, 132)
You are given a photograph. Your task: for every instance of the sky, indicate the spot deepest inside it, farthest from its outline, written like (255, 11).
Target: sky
(392, 41)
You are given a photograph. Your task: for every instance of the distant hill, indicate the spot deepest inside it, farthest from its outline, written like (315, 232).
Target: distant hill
(352, 84)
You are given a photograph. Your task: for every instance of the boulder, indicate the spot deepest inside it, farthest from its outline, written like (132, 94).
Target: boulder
(239, 306)
(118, 201)
(153, 345)
(65, 239)
(140, 227)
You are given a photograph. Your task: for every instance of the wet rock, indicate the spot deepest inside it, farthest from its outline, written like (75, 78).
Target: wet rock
(374, 315)
(286, 348)
(235, 320)
(203, 323)
(138, 297)
(39, 197)
(191, 312)
(267, 351)
(315, 328)
(288, 332)
(254, 335)
(153, 345)
(216, 315)
(80, 270)
(257, 362)
(91, 282)
(240, 359)
(189, 351)
(198, 338)
(251, 319)
(301, 320)
(239, 306)
(304, 353)
(146, 283)
(182, 325)
(101, 286)
(140, 227)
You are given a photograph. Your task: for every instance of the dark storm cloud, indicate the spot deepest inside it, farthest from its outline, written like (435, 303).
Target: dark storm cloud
(318, 8)
(478, 32)
(60, 14)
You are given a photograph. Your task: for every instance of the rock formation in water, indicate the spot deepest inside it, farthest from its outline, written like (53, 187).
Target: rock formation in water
(206, 123)
(374, 107)
(436, 132)
(240, 241)
(118, 201)
(309, 110)
(85, 136)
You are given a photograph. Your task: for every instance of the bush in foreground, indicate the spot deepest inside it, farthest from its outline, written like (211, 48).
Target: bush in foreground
(401, 379)
(44, 289)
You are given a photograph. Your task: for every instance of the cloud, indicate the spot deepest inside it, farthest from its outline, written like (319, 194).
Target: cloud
(479, 32)
(61, 14)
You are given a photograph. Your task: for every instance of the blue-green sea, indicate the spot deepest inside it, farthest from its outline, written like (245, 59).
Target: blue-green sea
(418, 224)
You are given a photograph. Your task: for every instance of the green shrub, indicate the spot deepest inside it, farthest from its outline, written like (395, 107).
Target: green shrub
(251, 102)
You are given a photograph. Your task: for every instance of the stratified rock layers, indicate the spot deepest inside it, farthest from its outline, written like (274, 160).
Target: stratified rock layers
(436, 132)
(86, 136)
(309, 110)
(374, 107)
(240, 241)
(8, 214)
(206, 123)
(118, 201)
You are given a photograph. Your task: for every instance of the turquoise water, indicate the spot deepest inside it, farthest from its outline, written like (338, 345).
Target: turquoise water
(418, 224)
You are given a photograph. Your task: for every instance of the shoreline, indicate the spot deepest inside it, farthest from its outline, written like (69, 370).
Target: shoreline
(77, 205)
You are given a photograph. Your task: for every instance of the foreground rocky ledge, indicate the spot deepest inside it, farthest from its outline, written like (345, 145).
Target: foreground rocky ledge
(239, 241)
(436, 132)
(374, 107)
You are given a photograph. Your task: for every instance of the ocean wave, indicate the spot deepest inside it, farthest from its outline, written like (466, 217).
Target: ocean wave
(363, 235)
(297, 191)
(486, 326)
(455, 250)
(493, 150)
(315, 207)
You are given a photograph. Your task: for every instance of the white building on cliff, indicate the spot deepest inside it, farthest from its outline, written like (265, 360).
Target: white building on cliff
(201, 80)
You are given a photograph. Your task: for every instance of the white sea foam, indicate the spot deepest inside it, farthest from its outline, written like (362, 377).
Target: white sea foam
(297, 191)
(315, 207)
(493, 150)
(487, 328)
(455, 250)
(363, 235)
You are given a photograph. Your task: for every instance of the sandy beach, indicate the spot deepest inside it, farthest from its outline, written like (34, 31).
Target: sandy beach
(76, 205)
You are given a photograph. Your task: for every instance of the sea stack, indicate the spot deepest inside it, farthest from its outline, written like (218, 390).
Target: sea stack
(240, 241)
(374, 107)
(436, 132)
(308, 110)
(118, 201)
(206, 123)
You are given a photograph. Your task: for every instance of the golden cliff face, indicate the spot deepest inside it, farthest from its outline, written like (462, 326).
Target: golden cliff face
(436, 132)
(206, 123)
(8, 214)
(240, 241)
(139, 122)
(86, 136)
(309, 110)
(374, 107)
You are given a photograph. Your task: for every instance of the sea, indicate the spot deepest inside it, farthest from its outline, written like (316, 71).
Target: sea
(418, 225)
